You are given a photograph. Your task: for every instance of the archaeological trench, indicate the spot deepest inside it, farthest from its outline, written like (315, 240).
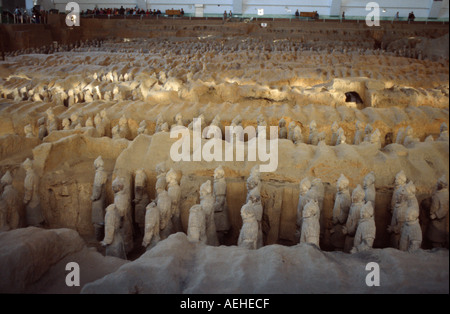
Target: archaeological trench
(350, 99)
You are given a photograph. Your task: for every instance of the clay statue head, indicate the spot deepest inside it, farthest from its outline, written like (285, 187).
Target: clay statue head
(7, 178)
(118, 184)
(255, 195)
(368, 129)
(97, 119)
(260, 119)
(179, 119)
(312, 125)
(160, 168)
(400, 178)
(311, 209)
(369, 179)
(98, 163)
(74, 117)
(254, 172)
(172, 177)
(27, 164)
(219, 173)
(159, 119)
(140, 178)
(410, 189)
(358, 194)
(160, 185)
(123, 121)
(27, 129)
(342, 183)
(305, 185)
(89, 122)
(165, 127)
(366, 211)
(205, 188)
(282, 123)
(316, 182)
(444, 127)
(409, 131)
(103, 113)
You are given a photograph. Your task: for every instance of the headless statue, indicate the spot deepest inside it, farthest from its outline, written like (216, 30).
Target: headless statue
(141, 198)
(98, 198)
(341, 209)
(152, 227)
(411, 233)
(310, 225)
(437, 231)
(34, 216)
(113, 240)
(365, 233)
(207, 203)
(197, 225)
(220, 204)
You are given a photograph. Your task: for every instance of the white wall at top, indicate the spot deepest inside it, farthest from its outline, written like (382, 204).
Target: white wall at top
(421, 8)
(286, 6)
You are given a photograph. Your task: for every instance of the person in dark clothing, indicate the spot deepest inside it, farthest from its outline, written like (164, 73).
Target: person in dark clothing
(297, 14)
(121, 11)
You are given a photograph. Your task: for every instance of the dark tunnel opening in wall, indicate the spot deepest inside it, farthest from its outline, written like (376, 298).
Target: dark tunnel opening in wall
(353, 97)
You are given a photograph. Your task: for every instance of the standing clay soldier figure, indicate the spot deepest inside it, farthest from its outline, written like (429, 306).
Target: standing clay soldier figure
(33, 212)
(115, 133)
(365, 234)
(310, 225)
(398, 217)
(106, 123)
(98, 198)
(359, 133)
(52, 124)
(443, 136)
(98, 125)
(42, 128)
(400, 136)
(159, 123)
(353, 217)
(341, 209)
(437, 230)
(13, 206)
(197, 225)
(124, 130)
(305, 186)
(141, 199)
(207, 203)
(369, 188)
(400, 182)
(248, 236)
(3, 214)
(260, 121)
(161, 175)
(375, 138)
(317, 192)
(113, 240)
(75, 120)
(220, 204)
(174, 191)
(89, 123)
(295, 133)
(411, 234)
(368, 133)
(178, 121)
(151, 231)
(313, 134)
(341, 139)
(123, 205)
(410, 140)
(283, 131)
(28, 130)
(164, 203)
(334, 133)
